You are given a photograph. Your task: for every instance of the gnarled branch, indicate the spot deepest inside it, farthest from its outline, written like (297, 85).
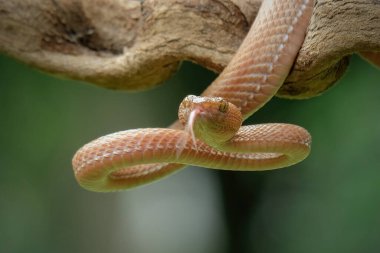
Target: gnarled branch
(137, 44)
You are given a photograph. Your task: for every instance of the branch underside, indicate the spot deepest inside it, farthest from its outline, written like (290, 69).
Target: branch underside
(134, 45)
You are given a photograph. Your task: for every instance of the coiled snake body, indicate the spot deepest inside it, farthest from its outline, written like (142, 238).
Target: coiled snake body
(130, 158)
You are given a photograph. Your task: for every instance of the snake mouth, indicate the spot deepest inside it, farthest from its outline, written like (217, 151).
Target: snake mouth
(190, 125)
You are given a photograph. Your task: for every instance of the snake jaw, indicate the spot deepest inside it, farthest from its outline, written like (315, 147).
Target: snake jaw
(189, 130)
(190, 126)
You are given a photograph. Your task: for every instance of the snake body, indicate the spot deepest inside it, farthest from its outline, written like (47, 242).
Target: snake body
(134, 157)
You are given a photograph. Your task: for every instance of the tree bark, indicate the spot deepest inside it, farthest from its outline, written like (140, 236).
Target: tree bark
(137, 44)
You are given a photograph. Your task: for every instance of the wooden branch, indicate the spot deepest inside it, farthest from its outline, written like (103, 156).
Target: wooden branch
(137, 44)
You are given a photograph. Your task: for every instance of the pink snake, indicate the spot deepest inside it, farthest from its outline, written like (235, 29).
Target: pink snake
(134, 157)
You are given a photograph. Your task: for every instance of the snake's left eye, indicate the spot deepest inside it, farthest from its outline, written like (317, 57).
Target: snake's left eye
(223, 106)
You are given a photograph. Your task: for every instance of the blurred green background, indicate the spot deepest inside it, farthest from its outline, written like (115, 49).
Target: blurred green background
(328, 203)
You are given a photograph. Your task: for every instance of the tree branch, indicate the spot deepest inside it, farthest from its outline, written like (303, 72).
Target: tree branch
(137, 44)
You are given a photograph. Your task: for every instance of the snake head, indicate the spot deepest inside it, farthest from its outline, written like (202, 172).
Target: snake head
(211, 119)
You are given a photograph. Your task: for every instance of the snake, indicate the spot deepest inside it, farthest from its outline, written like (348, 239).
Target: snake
(210, 133)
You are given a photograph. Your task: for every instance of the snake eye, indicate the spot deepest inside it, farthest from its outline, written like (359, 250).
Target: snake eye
(223, 106)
